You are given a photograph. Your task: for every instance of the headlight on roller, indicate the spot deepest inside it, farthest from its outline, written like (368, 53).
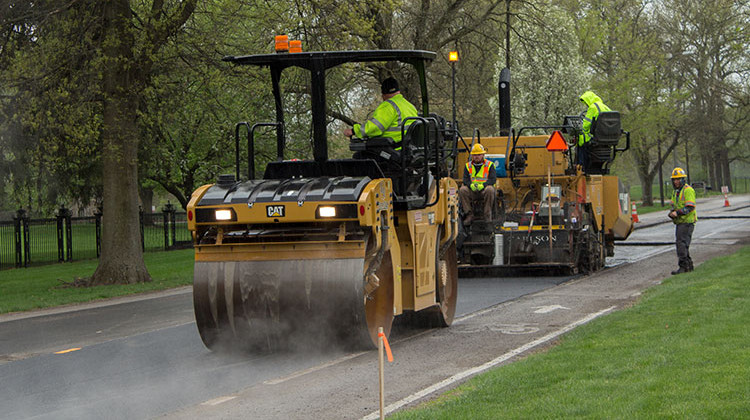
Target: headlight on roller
(327, 211)
(223, 214)
(213, 215)
(336, 211)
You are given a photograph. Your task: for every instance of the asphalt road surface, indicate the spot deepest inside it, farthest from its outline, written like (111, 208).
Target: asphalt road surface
(142, 357)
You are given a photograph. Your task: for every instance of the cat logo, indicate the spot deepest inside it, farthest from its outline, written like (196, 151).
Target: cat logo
(275, 211)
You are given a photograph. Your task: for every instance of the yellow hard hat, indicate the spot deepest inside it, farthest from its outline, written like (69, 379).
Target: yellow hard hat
(679, 173)
(478, 149)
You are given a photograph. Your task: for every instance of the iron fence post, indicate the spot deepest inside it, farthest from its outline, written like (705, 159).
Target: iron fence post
(26, 239)
(60, 244)
(165, 217)
(169, 223)
(140, 217)
(98, 216)
(68, 235)
(17, 235)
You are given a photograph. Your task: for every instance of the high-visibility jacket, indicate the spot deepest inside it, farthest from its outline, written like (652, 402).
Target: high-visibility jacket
(683, 200)
(387, 119)
(595, 106)
(480, 176)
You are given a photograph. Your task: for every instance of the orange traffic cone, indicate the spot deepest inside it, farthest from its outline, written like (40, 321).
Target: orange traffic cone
(726, 200)
(634, 215)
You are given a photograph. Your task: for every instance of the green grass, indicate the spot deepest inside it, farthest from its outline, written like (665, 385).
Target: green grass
(682, 352)
(23, 289)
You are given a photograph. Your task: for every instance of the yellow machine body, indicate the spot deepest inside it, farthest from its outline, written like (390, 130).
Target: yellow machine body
(597, 200)
(267, 274)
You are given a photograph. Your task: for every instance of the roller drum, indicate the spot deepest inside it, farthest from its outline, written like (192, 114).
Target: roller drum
(263, 305)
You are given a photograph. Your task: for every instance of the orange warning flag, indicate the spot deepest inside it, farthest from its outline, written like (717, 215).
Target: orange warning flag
(556, 142)
(387, 346)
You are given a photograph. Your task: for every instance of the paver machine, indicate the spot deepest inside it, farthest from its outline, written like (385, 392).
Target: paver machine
(329, 249)
(552, 216)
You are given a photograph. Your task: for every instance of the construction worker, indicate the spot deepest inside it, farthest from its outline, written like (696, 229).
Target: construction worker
(388, 116)
(594, 105)
(479, 183)
(684, 216)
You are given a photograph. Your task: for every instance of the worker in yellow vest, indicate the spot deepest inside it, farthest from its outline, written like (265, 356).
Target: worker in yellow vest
(684, 216)
(388, 117)
(478, 183)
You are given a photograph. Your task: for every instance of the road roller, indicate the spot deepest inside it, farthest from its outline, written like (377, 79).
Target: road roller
(328, 249)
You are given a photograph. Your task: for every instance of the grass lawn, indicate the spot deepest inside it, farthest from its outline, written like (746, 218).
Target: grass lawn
(683, 351)
(22, 289)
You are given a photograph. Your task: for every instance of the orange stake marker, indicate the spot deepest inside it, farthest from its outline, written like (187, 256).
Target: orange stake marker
(387, 346)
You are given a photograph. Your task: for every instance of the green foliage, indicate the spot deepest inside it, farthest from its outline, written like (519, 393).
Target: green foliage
(50, 135)
(548, 73)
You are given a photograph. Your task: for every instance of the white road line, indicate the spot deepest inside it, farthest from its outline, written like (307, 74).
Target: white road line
(220, 400)
(473, 371)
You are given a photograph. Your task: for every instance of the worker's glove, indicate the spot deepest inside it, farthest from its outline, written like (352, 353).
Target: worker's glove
(473, 186)
(480, 187)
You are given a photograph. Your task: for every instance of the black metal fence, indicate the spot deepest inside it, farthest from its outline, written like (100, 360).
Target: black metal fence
(26, 241)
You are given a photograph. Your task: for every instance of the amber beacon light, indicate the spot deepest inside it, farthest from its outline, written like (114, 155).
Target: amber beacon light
(282, 43)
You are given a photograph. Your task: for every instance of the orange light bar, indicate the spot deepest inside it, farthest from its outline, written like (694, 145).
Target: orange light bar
(453, 56)
(295, 46)
(282, 43)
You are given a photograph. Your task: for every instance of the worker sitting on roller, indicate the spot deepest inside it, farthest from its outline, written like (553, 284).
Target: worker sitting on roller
(479, 183)
(594, 106)
(388, 116)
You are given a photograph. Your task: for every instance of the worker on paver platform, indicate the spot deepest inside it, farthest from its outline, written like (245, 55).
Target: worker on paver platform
(479, 183)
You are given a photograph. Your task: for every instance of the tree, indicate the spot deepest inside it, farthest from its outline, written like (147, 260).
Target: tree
(710, 40)
(127, 60)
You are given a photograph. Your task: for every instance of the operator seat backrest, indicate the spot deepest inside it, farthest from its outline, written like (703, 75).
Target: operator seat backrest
(606, 129)
(414, 134)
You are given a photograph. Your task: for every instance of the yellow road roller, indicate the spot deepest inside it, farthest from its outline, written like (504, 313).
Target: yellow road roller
(328, 249)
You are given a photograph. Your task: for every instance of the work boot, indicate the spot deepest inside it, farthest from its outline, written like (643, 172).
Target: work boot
(690, 266)
(680, 271)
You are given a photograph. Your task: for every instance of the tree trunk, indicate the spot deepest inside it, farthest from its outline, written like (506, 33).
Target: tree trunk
(647, 180)
(121, 260)
(716, 163)
(147, 199)
(725, 168)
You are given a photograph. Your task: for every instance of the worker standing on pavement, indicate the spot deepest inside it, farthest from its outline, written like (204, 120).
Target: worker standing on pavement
(388, 117)
(594, 106)
(478, 184)
(684, 216)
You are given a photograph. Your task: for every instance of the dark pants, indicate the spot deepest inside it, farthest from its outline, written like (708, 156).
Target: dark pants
(487, 195)
(683, 236)
(582, 155)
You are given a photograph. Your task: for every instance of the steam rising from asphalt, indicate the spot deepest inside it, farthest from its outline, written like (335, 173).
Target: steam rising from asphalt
(143, 376)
